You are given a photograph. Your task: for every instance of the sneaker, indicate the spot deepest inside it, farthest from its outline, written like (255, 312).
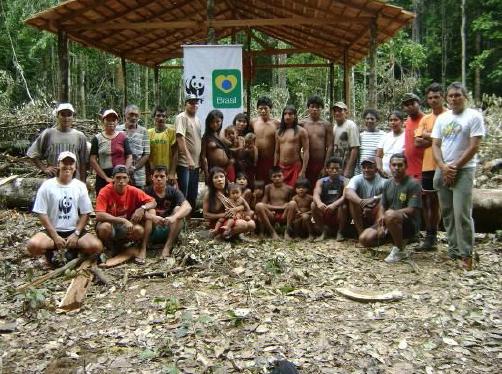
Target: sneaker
(396, 255)
(340, 237)
(429, 244)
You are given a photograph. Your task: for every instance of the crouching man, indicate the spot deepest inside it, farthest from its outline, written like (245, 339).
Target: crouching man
(399, 212)
(172, 208)
(363, 195)
(121, 214)
(63, 207)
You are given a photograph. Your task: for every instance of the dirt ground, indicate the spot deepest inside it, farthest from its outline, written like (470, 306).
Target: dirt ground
(252, 304)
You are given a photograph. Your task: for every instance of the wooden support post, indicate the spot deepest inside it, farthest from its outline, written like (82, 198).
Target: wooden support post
(64, 87)
(156, 87)
(249, 61)
(124, 78)
(211, 34)
(331, 89)
(346, 80)
(372, 82)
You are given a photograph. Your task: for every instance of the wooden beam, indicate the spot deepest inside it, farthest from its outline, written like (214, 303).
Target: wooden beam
(281, 66)
(372, 82)
(124, 76)
(331, 85)
(285, 51)
(211, 34)
(346, 79)
(156, 89)
(249, 82)
(216, 23)
(64, 87)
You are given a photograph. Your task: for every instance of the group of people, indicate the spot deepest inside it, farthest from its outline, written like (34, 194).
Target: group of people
(312, 176)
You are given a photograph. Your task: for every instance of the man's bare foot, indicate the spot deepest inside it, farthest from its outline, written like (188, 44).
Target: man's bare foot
(286, 235)
(310, 238)
(275, 236)
(166, 252)
(320, 238)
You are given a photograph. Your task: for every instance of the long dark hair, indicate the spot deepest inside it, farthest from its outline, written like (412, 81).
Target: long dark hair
(282, 127)
(211, 117)
(210, 186)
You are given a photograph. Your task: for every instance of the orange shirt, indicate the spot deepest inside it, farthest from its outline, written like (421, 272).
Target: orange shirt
(124, 205)
(426, 125)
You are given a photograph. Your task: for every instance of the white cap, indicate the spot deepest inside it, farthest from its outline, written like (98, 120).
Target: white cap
(66, 154)
(108, 112)
(65, 106)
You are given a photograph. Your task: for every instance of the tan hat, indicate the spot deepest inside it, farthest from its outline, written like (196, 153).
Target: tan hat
(65, 106)
(67, 154)
(108, 112)
(339, 104)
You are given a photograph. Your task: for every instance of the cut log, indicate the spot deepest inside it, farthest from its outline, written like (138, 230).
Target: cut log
(100, 275)
(52, 274)
(19, 193)
(370, 297)
(75, 294)
(487, 209)
(120, 258)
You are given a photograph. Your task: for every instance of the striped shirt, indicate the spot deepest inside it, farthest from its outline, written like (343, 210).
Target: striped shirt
(140, 146)
(369, 145)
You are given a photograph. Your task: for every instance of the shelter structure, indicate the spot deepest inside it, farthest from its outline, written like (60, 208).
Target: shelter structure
(151, 32)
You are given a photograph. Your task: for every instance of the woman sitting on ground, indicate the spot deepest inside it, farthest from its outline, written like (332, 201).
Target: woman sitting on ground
(215, 204)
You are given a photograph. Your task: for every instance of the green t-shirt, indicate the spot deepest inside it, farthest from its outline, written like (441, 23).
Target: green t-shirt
(406, 194)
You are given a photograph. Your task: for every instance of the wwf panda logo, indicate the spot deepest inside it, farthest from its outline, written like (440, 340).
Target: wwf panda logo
(195, 86)
(65, 204)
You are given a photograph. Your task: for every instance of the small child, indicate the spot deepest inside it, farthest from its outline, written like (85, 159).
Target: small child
(259, 190)
(250, 149)
(242, 181)
(299, 211)
(225, 224)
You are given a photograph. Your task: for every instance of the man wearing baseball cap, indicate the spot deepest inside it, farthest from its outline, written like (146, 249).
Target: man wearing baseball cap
(63, 207)
(52, 141)
(120, 213)
(188, 140)
(346, 139)
(363, 194)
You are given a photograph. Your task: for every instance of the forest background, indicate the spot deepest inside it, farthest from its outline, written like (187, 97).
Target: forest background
(428, 50)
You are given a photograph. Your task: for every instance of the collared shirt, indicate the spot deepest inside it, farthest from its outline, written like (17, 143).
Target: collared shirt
(140, 146)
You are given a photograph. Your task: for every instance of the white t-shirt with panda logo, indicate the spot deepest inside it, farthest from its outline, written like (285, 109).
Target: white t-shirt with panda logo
(63, 203)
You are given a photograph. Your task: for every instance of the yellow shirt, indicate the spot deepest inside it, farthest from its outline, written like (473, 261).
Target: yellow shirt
(160, 146)
(426, 125)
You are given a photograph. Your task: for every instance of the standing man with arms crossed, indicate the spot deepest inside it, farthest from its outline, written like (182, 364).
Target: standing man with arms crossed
(140, 145)
(290, 140)
(434, 95)
(188, 140)
(52, 141)
(320, 133)
(456, 138)
(264, 128)
(346, 139)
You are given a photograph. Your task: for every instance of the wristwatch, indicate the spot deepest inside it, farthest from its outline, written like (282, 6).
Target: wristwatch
(77, 232)
(143, 207)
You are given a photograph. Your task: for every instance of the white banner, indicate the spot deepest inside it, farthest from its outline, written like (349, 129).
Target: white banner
(214, 74)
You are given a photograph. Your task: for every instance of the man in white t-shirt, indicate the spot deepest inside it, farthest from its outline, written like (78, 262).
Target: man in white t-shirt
(346, 139)
(456, 137)
(63, 206)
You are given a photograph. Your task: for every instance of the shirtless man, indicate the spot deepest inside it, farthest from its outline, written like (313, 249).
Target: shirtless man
(290, 140)
(264, 128)
(275, 199)
(320, 134)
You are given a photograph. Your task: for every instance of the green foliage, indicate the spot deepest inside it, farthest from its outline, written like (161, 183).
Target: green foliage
(33, 299)
(171, 305)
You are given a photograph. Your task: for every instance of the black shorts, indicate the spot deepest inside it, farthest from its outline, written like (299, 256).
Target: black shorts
(409, 229)
(427, 178)
(64, 234)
